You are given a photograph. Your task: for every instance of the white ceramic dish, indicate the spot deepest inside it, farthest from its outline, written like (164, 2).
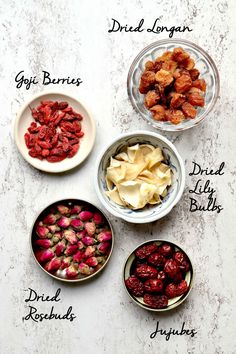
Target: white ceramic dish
(24, 118)
(149, 213)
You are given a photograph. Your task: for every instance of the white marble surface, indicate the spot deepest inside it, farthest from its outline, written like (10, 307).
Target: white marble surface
(70, 38)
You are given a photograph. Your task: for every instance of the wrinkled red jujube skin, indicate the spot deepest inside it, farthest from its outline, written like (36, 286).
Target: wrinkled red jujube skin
(182, 287)
(156, 301)
(153, 285)
(171, 290)
(145, 251)
(135, 286)
(146, 272)
(161, 275)
(156, 259)
(171, 268)
(166, 250)
(181, 260)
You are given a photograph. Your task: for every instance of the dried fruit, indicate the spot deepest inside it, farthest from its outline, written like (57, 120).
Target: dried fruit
(171, 290)
(146, 272)
(153, 285)
(167, 84)
(156, 259)
(171, 268)
(182, 288)
(156, 301)
(166, 250)
(135, 286)
(188, 110)
(161, 275)
(144, 251)
(44, 140)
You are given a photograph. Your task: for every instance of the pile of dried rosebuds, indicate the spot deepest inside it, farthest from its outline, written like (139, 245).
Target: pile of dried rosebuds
(72, 241)
(158, 274)
(56, 132)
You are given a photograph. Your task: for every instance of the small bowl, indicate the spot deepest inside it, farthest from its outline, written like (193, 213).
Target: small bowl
(205, 65)
(172, 303)
(24, 118)
(172, 157)
(60, 274)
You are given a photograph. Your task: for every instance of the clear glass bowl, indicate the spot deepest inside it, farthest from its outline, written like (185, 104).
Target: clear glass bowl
(204, 64)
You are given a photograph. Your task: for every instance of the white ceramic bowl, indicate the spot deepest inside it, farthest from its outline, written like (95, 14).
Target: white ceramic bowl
(24, 118)
(149, 213)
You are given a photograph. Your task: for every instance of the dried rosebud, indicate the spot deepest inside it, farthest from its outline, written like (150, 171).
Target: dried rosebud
(44, 255)
(60, 248)
(50, 219)
(80, 245)
(66, 262)
(101, 259)
(53, 228)
(76, 209)
(104, 247)
(44, 243)
(64, 222)
(104, 236)
(81, 234)
(92, 262)
(89, 252)
(53, 265)
(70, 249)
(77, 224)
(72, 271)
(88, 240)
(84, 269)
(55, 239)
(90, 227)
(98, 218)
(78, 256)
(70, 235)
(85, 215)
(42, 231)
(63, 209)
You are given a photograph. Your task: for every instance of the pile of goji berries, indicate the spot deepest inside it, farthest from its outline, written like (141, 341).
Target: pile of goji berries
(56, 132)
(158, 274)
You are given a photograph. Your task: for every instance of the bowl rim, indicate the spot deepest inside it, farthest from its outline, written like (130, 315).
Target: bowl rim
(54, 276)
(180, 301)
(24, 106)
(173, 127)
(182, 174)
